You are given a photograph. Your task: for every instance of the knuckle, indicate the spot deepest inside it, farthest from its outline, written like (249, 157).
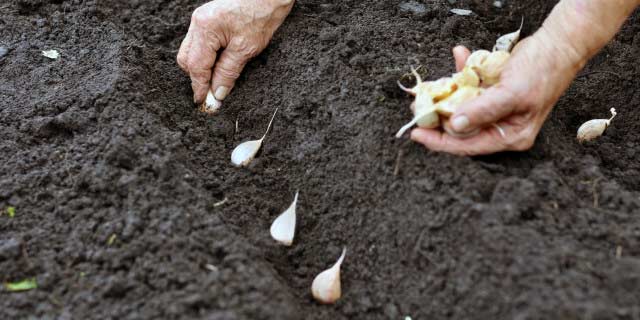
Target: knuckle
(199, 17)
(228, 73)
(246, 48)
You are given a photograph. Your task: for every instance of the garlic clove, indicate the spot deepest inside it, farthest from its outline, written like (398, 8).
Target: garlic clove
(593, 129)
(476, 59)
(508, 41)
(441, 88)
(211, 105)
(244, 153)
(423, 103)
(326, 287)
(448, 106)
(461, 12)
(466, 77)
(429, 120)
(491, 68)
(51, 54)
(284, 227)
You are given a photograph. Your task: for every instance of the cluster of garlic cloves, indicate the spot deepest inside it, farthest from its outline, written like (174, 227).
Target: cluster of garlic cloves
(436, 101)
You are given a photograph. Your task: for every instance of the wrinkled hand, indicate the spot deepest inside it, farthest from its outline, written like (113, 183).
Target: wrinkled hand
(533, 80)
(242, 27)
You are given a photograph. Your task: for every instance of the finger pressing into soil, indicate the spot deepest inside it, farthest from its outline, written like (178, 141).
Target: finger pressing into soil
(200, 61)
(227, 71)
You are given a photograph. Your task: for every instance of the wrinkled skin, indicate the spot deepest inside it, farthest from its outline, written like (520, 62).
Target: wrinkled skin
(243, 28)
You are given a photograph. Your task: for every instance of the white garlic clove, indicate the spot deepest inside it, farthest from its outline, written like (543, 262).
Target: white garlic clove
(448, 106)
(491, 68)
(508, 41)
(593, 129)
(475, 60)
(467, 77)
(461, 12)
(326, 286)
(283, 229)
(244, 153)
(429, 120)
(51, 54)
(211, 105)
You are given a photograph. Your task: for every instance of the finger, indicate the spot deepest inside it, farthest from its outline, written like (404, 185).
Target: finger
(488, 141)
(200, 61)
(494, 104)
(460, 54)
(227, 71)
(183, 53)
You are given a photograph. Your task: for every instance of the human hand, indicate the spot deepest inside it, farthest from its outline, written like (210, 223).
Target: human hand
(531, 83)
(242, 27)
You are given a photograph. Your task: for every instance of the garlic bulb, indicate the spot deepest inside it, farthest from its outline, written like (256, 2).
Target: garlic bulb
(507, 41)
(326, 286)
(283, 228)
(246, 151)
(491, 68)
(593, 129)
(211, 105)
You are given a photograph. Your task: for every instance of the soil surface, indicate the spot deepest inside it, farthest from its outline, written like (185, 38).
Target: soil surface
(127, 206)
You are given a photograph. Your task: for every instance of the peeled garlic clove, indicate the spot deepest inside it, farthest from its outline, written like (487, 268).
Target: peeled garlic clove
(284, 227)
(507, 41)
(476, 59)
(441, 88)
(326, 286)
(246, 151)
(593, 129)
(466, 77)
(448, 106)
(211, 105)
(491, 69)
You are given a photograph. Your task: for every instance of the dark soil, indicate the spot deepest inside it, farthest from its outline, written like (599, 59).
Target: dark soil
(106, 141)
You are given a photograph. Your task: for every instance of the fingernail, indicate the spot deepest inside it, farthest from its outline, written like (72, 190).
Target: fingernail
(221, 92)
(460, 123)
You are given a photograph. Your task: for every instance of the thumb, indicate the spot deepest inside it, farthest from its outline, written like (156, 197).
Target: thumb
(493, 105)
(226, 72)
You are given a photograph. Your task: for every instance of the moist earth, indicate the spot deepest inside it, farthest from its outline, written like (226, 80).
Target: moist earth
(127, 205)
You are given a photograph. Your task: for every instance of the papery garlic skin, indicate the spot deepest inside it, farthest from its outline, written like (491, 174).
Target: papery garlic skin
(283, 229)
(326, 287)
(593, 129)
